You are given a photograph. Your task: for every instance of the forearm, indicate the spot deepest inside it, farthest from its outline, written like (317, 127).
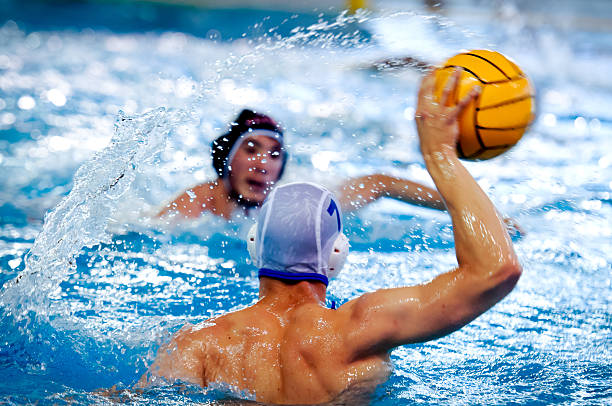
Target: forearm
(413, 193)
(358, 192)
(481, 241)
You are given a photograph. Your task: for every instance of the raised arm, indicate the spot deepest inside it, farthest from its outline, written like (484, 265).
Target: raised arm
(358, 192)
(488, 267)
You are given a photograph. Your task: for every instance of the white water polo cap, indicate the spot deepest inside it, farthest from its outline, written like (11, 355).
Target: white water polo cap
(298, 235)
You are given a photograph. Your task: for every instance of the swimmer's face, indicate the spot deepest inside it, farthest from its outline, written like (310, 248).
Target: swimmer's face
(255, 168)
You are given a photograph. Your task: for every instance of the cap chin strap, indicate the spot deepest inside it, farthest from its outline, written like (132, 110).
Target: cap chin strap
(336, 260)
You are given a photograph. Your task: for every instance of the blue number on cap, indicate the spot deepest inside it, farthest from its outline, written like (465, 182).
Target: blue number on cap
(333, 208)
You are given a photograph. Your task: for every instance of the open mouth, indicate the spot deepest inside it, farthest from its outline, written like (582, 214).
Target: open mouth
(257, 185)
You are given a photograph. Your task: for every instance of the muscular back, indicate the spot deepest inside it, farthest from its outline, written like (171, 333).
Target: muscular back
(278, 354)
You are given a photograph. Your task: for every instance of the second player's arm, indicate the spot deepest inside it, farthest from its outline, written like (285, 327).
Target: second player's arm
(358, 192)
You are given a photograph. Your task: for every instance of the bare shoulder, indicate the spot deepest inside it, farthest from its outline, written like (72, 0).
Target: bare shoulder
(321, 321)
(205, 189)
(314, 314)
(212, 326)
(314, 324)
(193, 201)
(192, 338)
(322, 341)
(237, 323)
(180, 359)
(201, 193)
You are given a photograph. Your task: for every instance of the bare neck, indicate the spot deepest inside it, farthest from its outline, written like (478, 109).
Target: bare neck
(278, 293)
(223, 204)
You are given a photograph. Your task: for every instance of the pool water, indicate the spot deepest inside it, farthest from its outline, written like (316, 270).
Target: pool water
(108, 111)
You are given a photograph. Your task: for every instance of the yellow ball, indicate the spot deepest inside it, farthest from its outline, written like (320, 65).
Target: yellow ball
(497, 119)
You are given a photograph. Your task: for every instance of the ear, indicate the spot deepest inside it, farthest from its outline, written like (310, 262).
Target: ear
(252, 243)
(338, 255)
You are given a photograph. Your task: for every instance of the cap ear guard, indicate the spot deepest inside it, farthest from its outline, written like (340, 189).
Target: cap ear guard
(337, 257)
(252, 243)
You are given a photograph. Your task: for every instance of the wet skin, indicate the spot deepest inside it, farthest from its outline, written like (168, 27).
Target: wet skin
(284, 349)
(254, 170)
(289, 349)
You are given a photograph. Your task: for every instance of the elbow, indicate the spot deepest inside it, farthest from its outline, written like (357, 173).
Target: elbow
(506, 277)
(488, 291)
(512, 270)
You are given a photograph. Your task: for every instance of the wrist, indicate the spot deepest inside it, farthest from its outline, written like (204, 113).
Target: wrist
(438, 153)
(442, 164)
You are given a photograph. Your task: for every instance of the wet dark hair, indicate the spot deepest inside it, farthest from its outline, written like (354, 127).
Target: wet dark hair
(246, 120)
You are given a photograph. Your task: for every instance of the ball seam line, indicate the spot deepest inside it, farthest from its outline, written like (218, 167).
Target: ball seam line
(491, 63)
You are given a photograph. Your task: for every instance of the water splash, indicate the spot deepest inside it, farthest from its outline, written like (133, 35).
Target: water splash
(81, 218)
(322, 34)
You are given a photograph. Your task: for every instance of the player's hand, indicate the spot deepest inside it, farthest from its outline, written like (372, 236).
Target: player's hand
(437, 123)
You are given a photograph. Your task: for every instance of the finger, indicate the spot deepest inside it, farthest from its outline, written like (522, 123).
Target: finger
(466, 100)
(451, 86)
(427, 84)
(425, 94)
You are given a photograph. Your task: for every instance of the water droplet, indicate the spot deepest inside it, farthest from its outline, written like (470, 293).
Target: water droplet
(26, 103)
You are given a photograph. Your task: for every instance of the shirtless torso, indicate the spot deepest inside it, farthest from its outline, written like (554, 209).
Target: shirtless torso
(288, 348)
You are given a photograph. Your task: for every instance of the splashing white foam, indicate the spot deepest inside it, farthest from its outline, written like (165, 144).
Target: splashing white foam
(81, 218)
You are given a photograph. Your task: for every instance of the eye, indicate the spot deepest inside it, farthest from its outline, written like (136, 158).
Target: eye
(275, 154)
(249, 147)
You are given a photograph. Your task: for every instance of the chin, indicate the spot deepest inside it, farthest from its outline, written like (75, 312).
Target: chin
(254, 198)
